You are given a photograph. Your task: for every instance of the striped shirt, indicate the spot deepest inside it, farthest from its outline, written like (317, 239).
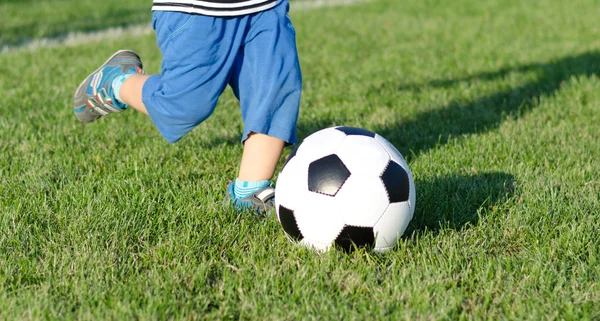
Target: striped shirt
(215, 7)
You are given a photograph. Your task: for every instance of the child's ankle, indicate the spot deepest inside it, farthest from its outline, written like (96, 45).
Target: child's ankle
(116, 87)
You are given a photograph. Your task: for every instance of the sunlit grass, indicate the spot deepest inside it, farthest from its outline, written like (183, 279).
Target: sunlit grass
(494, 104)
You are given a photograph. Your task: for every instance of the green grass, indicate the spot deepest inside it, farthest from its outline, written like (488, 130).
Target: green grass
(24, 20)
(493, 103)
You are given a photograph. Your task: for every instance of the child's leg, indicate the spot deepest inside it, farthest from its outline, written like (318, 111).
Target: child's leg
(131, 92)
(96, 95)
(198, 53)
(267, 81)
(260, 157)
(252, 189)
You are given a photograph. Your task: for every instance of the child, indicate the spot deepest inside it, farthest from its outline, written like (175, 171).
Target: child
(249, 45)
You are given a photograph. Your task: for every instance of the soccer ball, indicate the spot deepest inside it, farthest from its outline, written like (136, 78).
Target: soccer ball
(345, 186)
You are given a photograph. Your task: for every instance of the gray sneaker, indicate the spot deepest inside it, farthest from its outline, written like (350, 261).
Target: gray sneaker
(94, 97)
(261, 202)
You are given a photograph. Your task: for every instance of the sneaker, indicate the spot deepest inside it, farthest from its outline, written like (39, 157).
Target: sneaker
(261, 202)
(94, 97)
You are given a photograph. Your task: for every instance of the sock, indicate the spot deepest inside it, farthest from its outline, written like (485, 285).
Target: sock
(243, 189)
(116, 86)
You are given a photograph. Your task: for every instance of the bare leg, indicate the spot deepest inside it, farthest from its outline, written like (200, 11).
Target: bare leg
(260, 157)
(131, 92)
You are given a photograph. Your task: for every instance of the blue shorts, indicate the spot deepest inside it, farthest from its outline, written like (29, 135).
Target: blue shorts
(255, 54)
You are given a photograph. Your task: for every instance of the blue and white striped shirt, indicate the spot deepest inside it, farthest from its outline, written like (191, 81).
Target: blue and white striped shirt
(215, 7)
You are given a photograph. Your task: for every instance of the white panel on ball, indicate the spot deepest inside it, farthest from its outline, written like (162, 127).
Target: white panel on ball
(363, 155)
(392, 150)
(318, 218)
(321, 247)
(362, 200)
(294, 181)
(320, 144)
(392, 225)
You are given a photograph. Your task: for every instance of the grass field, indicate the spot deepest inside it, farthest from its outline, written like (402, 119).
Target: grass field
(495, 105)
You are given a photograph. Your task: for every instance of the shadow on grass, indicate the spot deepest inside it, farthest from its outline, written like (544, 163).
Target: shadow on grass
(437, 127)
(456, 200)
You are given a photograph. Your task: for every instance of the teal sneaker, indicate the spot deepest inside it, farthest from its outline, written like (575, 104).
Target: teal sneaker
(94, 97)
(261, 202)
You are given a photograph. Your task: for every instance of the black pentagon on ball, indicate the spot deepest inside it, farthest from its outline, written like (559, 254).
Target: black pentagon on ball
(355, 236)
(355, 131)
(289, 224)
(327, 175)
(395, 180)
